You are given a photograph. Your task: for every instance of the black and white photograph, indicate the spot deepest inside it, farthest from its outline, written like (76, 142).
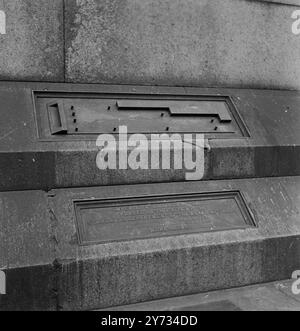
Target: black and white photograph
(149, 159)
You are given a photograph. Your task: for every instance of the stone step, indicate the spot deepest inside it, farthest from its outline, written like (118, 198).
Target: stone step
(93, 248)
(265, 141)
(276, 296)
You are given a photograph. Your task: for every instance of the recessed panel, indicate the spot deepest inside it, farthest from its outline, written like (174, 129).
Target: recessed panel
(123, 219)
(83, 115)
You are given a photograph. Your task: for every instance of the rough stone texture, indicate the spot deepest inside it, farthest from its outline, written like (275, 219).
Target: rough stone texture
(27, 251)
(174, 42)
(32, 48)
(27, 162)
(47, 269)
(265, 297)
(142, 270)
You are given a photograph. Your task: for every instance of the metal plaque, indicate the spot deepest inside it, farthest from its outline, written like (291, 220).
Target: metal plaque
(79, 115)
(123, 219)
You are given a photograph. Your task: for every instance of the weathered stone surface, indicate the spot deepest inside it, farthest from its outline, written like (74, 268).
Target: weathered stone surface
(141, 270)
(32, 48)
(196, 42)
(264, 297)
(27, 162)
(27, 251)
(47, 268)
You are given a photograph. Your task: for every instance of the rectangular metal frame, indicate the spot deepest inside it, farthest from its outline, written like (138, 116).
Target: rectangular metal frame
(244, 132)
(81, 205)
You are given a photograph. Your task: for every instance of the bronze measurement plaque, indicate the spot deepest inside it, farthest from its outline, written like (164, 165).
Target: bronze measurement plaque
(123, 219)
(82, 115)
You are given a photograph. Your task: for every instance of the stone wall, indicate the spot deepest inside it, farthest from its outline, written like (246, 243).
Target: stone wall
(231, 43)
(33, 46)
